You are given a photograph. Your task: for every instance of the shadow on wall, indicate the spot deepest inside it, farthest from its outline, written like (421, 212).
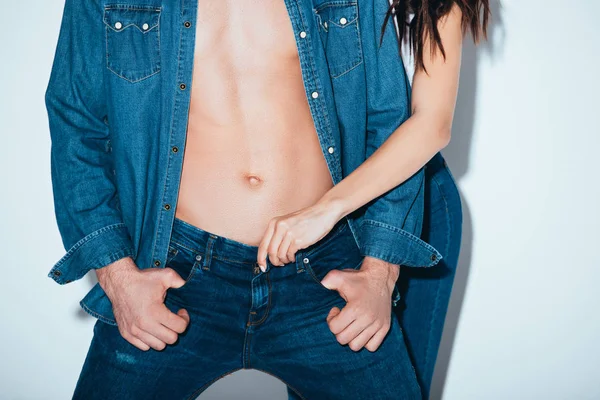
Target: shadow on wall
(457, 155)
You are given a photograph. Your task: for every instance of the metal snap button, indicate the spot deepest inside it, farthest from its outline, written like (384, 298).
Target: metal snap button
(145, 27)
(118, 25)
(305, 260)
(302, 34)
(157, 262)
(315, 95)
(198, 257)
(330, 149)
(187, 24)
(343, 21)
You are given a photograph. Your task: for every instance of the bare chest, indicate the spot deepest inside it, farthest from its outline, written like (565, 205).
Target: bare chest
(245, 33)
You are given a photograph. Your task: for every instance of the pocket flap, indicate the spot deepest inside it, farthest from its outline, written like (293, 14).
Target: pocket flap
(338, 14)
(120, 17)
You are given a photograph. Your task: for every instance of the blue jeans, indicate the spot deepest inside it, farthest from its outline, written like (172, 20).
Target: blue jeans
(426, 292)
(242, 318)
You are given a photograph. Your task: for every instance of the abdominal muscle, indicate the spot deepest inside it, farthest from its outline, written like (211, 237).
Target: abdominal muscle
(252, 152)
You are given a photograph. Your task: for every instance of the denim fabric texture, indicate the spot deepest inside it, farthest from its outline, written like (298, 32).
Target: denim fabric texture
(286, 335)
(118, 99)
(425, 293)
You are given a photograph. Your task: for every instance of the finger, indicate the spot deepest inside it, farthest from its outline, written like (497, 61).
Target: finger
(182, 312)
(176, 322)
(333, 280)
(171, 279)
(363, 337)
(161, 332)
(134, 340)
(339, 322)
(282, 252)
(374, 343)
(150, 340)
(353, 330)
(291, 253)
(332, 313)
(264, 243)
(138, 343)
(279, 233)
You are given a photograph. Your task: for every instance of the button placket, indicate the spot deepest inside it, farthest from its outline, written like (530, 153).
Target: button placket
(184, 72)
(315, 94)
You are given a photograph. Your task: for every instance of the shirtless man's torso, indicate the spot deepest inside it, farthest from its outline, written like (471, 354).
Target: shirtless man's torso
(252, 151)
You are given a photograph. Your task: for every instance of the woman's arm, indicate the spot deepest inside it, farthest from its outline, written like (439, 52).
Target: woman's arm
(365, 319)
(404, 152)
(418, 139)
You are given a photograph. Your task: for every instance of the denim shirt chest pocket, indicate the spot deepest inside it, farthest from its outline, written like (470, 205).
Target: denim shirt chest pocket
(337, 21)
(132, 40)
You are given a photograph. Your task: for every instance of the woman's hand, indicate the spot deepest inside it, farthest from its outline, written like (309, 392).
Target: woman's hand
(287, 234)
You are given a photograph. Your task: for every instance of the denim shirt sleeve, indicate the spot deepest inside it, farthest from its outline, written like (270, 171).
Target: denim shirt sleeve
(392, 223)
(85, 197)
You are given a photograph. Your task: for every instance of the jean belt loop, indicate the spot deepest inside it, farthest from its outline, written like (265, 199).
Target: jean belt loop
(208, 253)
(301, 259)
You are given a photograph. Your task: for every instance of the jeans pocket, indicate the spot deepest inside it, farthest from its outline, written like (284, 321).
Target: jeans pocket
(132, 40)
(339, 31)
(184, 261)
(316, 269)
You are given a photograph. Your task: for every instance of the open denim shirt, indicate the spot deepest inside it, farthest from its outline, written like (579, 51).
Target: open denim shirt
(118, 99)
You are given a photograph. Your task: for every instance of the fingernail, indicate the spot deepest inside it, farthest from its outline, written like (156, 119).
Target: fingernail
(262, 268)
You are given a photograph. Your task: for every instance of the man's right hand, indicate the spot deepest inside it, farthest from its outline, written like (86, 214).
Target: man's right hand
(137, 297)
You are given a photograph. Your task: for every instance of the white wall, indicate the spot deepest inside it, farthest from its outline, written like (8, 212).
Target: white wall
(524, 148)
(522, 323)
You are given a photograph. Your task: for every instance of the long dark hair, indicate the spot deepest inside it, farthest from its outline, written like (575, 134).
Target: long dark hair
(427, 13)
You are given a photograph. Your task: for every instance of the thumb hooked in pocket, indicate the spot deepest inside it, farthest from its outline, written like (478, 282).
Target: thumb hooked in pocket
(333, 279)
(172, 279)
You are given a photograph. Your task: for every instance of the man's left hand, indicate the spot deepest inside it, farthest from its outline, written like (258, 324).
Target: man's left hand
(365, 319)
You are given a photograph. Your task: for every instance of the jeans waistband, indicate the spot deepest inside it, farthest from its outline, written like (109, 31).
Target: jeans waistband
(200, 240)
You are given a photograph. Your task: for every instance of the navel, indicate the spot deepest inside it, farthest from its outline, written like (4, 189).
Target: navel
(253, 180)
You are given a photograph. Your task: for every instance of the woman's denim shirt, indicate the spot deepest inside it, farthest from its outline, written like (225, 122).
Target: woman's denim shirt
(118, 100)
